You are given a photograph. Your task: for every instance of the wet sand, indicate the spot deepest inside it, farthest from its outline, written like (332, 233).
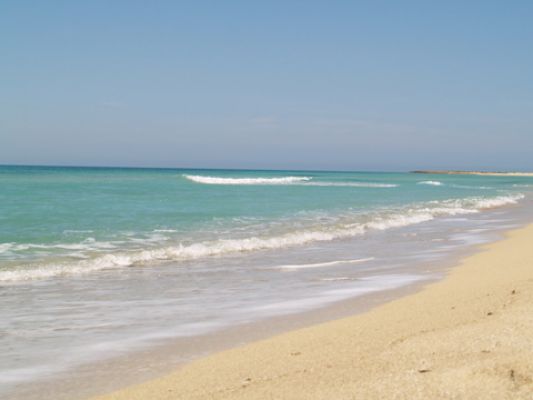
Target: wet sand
(468, 336)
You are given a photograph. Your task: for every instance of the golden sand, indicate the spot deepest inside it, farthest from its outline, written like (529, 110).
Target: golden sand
(469, 336)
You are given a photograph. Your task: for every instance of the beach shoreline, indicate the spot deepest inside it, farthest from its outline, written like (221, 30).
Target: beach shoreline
(467, 336)
(154, 362)
(141, 322)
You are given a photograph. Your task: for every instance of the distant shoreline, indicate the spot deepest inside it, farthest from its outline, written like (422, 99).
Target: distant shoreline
(444, 172)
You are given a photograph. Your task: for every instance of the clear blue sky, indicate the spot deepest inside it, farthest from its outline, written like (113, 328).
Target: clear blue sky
(379, 85)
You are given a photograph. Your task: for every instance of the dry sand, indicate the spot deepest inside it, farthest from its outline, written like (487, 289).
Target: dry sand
(469, 336)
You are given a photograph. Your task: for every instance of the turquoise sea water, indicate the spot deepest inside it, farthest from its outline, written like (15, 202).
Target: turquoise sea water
(56, 221)
(95, 262)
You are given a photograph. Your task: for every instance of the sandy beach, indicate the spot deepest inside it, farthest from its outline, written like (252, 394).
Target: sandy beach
(262, 200)
(466, 337)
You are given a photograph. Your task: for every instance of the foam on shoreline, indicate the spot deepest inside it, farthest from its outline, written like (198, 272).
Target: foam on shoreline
(467, 336)
(406, 216)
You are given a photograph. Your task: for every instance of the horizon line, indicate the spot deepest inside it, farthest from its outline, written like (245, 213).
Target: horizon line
(197, 168)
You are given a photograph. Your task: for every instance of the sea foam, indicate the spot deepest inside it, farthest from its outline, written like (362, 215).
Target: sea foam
(284, 180)
(183, 252)
(431, 183)
(323, 264)
(215, 180)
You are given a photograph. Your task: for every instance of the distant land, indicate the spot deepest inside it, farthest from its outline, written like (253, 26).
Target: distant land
(444, 172)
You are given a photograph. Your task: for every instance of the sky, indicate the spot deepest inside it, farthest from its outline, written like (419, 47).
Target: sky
(342, 85)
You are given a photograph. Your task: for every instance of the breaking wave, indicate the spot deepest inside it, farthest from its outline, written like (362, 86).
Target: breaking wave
(431, 183)
(285, 180)
(357, 226)
(214, 180)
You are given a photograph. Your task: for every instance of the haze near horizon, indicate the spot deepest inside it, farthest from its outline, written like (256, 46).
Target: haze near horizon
(315, 85)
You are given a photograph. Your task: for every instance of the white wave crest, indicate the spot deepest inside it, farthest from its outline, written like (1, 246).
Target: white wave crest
(87, 245)
(323, 264)
(285, 180)
(5, 247)
(214, 180)
(431, 183)
(495, 202)
(378, 221)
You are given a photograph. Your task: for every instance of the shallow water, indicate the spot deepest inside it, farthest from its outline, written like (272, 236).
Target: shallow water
(95, 263)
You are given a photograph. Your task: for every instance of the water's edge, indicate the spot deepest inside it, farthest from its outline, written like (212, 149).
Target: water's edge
(142, 365)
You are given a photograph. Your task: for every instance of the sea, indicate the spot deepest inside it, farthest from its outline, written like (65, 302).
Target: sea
(97, 263)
